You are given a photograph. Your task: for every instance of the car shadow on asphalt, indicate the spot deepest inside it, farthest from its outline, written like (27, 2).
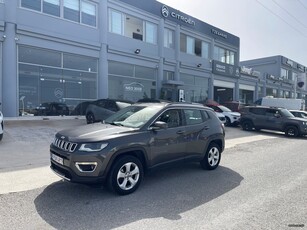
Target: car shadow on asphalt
(163, 194)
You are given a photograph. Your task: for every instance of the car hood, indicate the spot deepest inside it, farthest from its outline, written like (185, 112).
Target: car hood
(93, 132)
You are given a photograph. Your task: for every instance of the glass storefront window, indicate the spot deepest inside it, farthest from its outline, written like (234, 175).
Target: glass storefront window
(79, 62)
(246, 96)
(39, 56)
(41, 82)
(138, 83)
(195, 88)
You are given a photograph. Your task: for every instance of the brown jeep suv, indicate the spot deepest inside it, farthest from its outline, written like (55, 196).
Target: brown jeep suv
(137, 138)
(272, 118)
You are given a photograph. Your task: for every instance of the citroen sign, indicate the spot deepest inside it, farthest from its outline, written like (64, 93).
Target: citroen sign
(165, 11)
(178, 16)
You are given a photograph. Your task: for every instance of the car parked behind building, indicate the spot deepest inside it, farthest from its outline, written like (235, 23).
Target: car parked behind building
(272, 118)
(101, 109)
(136, 139)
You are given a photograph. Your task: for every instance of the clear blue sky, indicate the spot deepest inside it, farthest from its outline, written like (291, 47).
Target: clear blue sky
(265, 27)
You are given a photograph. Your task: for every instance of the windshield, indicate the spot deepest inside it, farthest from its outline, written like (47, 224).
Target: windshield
(224, 109)
(286, 113)
(133, 116)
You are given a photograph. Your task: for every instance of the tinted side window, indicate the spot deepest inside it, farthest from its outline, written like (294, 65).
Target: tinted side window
(271, 112)
(171, 117)
(193, 116)
(258, 111)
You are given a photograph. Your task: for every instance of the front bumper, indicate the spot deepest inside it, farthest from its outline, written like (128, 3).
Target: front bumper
(69, 170)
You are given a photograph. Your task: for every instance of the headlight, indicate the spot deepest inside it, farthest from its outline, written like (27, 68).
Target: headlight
(92, 147)
(304, 123)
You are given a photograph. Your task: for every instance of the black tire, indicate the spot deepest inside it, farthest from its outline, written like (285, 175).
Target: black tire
(291, 131)
(212, 157)
(126, 175)
(90, 118)
(1, 136)
(247, 125)
(228, 122)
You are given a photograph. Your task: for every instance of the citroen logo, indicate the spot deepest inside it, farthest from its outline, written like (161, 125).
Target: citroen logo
(165, 11)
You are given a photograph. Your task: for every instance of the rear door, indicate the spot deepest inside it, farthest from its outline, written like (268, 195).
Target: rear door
(197, 129)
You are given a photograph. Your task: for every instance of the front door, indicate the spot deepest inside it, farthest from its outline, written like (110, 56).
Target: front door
(169, 144)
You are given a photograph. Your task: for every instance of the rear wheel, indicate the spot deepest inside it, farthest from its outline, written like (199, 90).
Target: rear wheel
(247, 125)
(90, 118)
(212, 157)
(291, 131)
(126, 175)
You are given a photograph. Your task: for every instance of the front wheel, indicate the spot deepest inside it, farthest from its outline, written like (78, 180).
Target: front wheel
(212, 157)
(126, 175)
(228, 122)
(291, 131)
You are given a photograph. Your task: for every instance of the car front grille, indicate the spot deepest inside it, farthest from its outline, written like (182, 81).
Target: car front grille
(65, 145)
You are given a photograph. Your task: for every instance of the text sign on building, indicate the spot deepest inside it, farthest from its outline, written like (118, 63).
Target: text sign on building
(166, 12)
(221, 68)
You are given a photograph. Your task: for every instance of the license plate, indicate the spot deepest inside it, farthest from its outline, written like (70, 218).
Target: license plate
(57, 159)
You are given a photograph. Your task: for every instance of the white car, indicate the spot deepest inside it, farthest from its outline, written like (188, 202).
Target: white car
(299, 113)
(1, 126)
(221, 117)
(232, 118)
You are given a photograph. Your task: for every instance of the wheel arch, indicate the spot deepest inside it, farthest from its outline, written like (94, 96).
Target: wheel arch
(139, 153)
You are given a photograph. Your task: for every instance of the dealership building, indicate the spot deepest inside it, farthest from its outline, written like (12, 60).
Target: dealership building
(71, 51)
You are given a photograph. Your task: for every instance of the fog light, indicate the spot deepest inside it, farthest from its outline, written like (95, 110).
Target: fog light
(86, 166)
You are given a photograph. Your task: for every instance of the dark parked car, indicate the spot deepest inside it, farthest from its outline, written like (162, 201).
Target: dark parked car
(136, 139)
(103, 108)
(52, 109)
(81, 108)
(272, 118)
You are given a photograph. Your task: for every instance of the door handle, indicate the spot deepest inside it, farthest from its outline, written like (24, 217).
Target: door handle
(206, 128)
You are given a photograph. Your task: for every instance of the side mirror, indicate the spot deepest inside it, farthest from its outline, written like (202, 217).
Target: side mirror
(159, 125)
(277, 115)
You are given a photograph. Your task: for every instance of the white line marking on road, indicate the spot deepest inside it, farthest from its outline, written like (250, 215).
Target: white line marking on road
(25, 180)
(243, 140)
